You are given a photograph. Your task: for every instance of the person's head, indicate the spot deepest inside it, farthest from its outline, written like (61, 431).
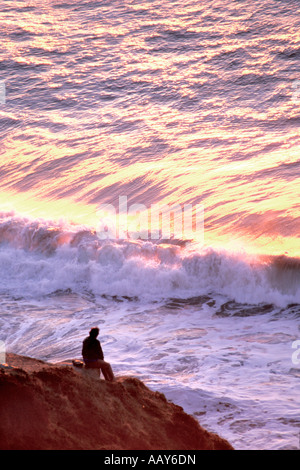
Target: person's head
(94, 332)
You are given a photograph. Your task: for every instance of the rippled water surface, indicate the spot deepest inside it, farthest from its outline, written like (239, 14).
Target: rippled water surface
(160, 103)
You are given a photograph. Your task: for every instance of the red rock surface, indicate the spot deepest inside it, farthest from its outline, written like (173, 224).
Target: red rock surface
(46, 406)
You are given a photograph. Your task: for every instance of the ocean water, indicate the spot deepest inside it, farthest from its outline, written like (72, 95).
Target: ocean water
(110, 110)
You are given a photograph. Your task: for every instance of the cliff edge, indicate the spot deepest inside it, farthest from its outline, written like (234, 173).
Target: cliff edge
(50, 406)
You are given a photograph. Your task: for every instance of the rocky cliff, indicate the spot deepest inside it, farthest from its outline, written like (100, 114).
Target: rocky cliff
(50, 406)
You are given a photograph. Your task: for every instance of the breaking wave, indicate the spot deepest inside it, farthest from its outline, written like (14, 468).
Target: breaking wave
(39, 257)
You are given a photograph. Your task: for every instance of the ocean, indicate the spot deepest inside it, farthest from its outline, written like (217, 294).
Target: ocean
(150, 186)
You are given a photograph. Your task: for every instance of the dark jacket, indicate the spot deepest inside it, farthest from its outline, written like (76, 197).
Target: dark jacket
(91, 350)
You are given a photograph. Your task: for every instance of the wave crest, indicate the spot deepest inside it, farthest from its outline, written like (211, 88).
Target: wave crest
(39, 257)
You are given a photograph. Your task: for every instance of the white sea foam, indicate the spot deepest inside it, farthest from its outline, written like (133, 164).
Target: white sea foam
(200, 351)
(171, 105)
(39, 257)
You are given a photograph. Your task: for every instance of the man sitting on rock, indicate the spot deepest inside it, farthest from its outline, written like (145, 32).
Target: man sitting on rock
(93, 356)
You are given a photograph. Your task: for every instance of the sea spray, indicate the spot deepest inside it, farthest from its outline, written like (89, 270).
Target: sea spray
(39, 257)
